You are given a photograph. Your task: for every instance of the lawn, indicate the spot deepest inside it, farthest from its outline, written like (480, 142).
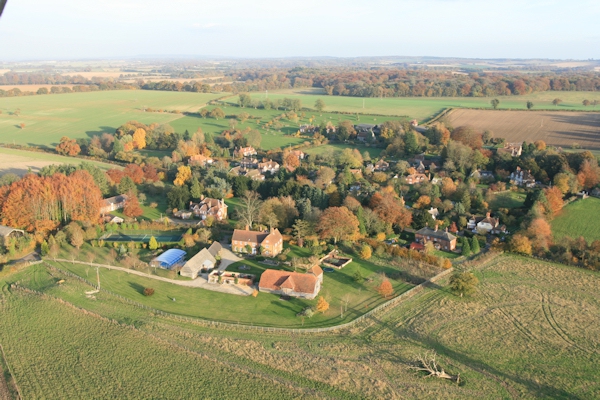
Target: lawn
(508, 200)
(334, 148)
(423, 108)
(266, 309)
(579, 218)
(81, 115)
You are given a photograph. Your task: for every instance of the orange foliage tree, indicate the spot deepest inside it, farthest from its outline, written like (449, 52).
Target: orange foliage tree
(555, 199)
(389, 208)
(41, 204)
(322, 304)
(132, 207)
(385, 289)
(139, 138)
(338, 223)
(588, 175)
(68, 147)
(135, 172)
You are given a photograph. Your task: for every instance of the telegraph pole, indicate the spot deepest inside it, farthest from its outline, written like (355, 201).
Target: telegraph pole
(98, 276)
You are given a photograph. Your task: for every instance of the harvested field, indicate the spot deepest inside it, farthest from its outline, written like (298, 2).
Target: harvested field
(20, 161)
(556, 128)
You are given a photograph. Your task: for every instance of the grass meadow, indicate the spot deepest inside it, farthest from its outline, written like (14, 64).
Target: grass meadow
(530, 331)
(579, 218)
(422, 108)
(80, 115)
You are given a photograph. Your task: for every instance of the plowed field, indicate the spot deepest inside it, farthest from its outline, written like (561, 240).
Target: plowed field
(559, 128)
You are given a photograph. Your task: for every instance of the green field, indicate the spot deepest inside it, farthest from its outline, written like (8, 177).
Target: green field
(80, 115)
(508, 200)
(21, 161)
(422, 108)
(579, 218)
(531, 331)
(266, 309)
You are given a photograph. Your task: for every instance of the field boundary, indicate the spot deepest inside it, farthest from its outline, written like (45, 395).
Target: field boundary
(10, 371)
(382, 307)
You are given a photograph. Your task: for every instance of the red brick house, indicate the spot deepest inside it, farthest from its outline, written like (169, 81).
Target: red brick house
(266, 243)
(442, 240)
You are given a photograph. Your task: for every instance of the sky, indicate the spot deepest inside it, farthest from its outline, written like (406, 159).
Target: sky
(75, 29)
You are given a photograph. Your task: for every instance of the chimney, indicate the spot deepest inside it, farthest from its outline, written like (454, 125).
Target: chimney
(247, 227)
(436, 227)
(201, 197)
(487, 214)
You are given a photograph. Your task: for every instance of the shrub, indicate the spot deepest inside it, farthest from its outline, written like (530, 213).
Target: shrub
(322, 305)
(358, 276)
(365, 252)
(148, 291)
(306, 312)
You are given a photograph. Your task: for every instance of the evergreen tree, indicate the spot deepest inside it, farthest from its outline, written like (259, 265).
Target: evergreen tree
(186, 135)
(411, 145)
(44, 248)
(361, 221)
(475, 246)
(196, 189)
(466, 248)
(127, 185)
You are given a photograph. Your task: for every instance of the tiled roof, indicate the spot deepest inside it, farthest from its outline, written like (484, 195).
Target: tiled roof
(242, 235)
(437, 234)
(276, 280)
(315, 270)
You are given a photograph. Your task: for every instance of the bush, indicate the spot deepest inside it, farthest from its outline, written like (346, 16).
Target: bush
(306, 312)
(148, 291)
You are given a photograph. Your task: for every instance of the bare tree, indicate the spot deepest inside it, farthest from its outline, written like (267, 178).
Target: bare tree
(428, 363)
(346, 301)
(249, 208)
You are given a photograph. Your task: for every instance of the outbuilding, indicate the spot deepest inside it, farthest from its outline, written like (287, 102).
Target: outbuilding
(169, 259)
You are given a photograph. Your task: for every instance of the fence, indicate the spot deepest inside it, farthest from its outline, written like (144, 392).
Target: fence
(12, 375)
(408, 294)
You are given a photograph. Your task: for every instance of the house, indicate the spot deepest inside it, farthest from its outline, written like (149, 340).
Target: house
(415, 125)
(365, 137)
(201, 160)
(113, 219)
(253, 174)
(249, 163)
(6, 233)
(202, 261)
(113, 203)
(413, 179)
(298, 153)
(433, 212)
(479, 174)
(270, 166)
(381, 166)
(267, 243)
(209, 207)
(308, 129)
(514, 149)
(485, 224)
(244, 152)
(522, 178)
(441, 239)
(292, 284)
(183, 214)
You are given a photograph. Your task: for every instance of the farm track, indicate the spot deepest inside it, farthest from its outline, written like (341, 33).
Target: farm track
(547, 309)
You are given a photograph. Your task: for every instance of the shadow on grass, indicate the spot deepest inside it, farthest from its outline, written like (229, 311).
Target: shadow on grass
(137, 287)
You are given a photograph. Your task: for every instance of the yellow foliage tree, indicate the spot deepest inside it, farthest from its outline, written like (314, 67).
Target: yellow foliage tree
(139, 138)
(184, 174)
(322, 304)
(366, 252)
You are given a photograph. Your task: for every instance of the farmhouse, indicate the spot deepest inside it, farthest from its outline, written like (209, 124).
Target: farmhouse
(308, 129)
(204, 260)
(209, 207)
(7, 232)
(113, 203)
(253, 174)
(268, 243)
(382, 165)
(522, 178)
(413, 179)
(293, 284)
(269, 166)
(244, 152)
(201, 160)
(249, 163)
(485, 224)
(441, 239)
(365, 137)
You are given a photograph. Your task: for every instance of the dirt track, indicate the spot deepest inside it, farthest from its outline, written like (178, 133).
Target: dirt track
(556, 128)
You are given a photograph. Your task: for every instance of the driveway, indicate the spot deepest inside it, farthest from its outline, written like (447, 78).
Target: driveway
(199, 282)
(227, 258)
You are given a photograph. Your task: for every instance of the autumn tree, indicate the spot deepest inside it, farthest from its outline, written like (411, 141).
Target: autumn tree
(338, 223)
(463, 283)
(184, 174)
(390, 209)
(588, 175)
(468, 136)
(520, 243)
(322, 305)
(68, 147)
(556, 101)
(22, 125)
(132, 207)
(75, 235)
(217, 113)
(586, 102)
(554, 195)
(540, 233)
(153, 244)
(365, 251)
(139, 138)
(385, 288)
(135, 172)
